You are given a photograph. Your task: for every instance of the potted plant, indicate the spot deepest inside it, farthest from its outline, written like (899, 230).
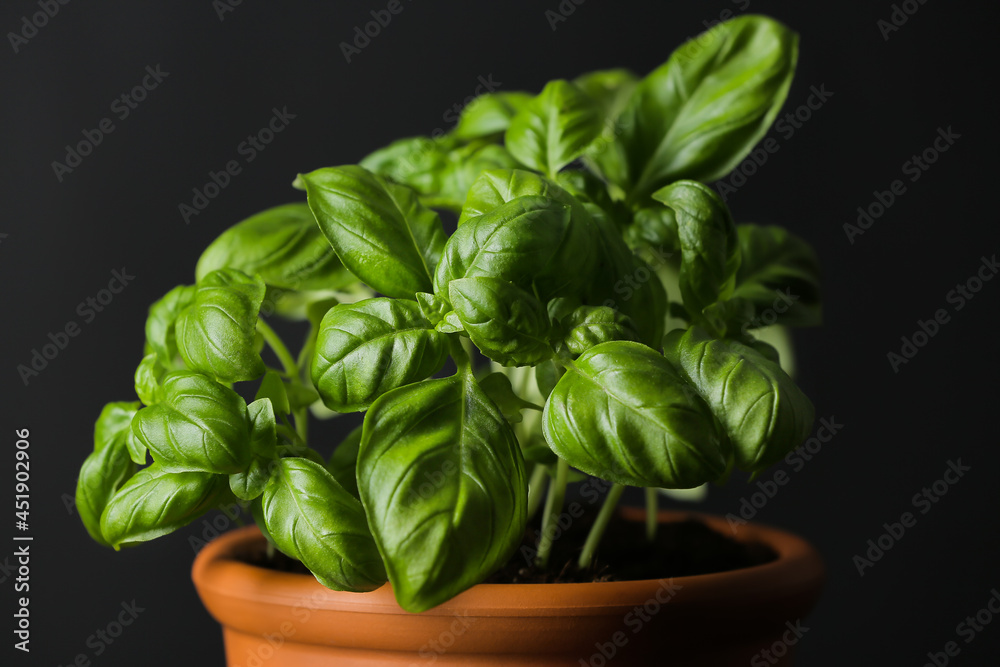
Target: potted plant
(591, 319)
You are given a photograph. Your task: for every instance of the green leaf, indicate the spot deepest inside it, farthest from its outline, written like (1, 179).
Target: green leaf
(497, 386)
(507, 324)
(547, 374)
(778, 276)
(343, 463)
(283, 245)
(199, 425)
(432, 307)
(162, 320)
(364, 349)
(496, 187)
(654, 226)
(380, 230)
(107, 468)
(442, 481)
(273, 387)
(610, 88)
(710, 249)
(624, 414)
(312, 518)
(490, 114)
(249, 483)
(554, 128)
(155, 502)
(115, 418)
(764, 414)
(439, 170)
(588, 326)
(529, 241)
(699, 114)
(148, 377)
(624, 282)
(216, 334)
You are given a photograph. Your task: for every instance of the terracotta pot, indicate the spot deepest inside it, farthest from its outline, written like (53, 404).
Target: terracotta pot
(278, 618)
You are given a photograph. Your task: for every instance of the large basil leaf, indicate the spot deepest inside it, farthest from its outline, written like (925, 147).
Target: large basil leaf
(162, 320)
(107, 468)
(764, 414)
(699, 114)
(710, 248)
(779, 276)
(283, 245)
(507, 324)
(312, 518)
(554, 128)
(216, 334)
(155, 502)
(442, 481)
(199, 425)
(364, 349)
(624, 414)
(380, 230)
(490, 114)
(529, 241)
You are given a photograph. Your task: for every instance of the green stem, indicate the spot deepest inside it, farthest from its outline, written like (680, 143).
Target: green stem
(600, 523)
(458, 353)
(276, 344)
(651, 512)
(536, 488)
(553, 508)
(300, 414)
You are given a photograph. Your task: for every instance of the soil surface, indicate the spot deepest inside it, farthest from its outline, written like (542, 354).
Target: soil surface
(681, 548)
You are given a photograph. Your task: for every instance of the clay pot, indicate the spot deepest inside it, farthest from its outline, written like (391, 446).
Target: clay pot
(278, 618)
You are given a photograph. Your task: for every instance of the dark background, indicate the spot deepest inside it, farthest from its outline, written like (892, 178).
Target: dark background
(119, 208)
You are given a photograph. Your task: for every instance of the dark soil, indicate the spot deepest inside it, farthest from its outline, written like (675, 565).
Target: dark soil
(681, 549)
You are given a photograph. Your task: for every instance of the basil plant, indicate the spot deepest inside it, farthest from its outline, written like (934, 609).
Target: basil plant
(596, 311)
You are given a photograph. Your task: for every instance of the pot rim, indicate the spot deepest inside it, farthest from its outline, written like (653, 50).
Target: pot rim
(797, 568)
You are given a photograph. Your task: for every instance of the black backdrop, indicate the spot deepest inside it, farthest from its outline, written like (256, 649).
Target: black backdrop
(226, 73)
